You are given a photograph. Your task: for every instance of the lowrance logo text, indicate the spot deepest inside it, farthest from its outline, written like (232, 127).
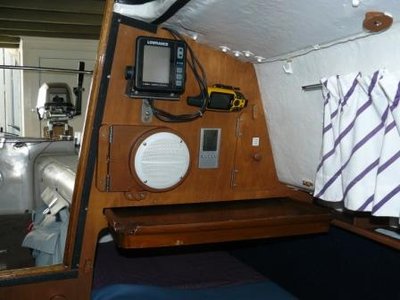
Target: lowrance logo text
(157, 43)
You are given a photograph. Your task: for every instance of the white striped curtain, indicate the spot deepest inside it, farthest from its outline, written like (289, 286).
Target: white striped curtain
(360, 162)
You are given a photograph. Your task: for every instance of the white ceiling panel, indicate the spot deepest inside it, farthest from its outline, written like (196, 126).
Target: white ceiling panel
(272, 28)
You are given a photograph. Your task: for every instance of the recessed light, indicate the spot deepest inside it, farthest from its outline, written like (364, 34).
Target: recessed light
(247, 53)
(236, 53)
(224, 48)
(259, 59)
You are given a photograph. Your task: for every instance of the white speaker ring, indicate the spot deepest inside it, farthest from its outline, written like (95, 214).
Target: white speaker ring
(161, 161)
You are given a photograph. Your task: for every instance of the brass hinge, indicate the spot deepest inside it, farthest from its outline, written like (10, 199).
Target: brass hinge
(110, 141)
(237, 129)
(110, 135)
(108, 182)
(233, 178)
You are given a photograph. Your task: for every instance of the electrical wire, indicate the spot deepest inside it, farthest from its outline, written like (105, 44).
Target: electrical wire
(201, 79)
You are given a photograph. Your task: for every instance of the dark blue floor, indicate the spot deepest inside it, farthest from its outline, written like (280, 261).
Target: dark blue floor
(265, 290)
(203, 272)
(337, 265)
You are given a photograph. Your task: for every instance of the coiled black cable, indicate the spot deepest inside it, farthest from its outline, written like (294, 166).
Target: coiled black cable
(201, 79)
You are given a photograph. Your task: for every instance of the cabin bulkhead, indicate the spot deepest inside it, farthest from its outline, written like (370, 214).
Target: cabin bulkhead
(189, 149)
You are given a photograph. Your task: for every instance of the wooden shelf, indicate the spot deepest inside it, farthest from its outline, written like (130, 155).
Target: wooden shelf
(188, 224)
(365, 225)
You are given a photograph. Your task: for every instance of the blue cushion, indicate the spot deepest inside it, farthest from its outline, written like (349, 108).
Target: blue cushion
(254, 291)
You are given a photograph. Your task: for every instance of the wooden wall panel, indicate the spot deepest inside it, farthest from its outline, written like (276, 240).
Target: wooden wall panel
(256, 178)
(244, 171)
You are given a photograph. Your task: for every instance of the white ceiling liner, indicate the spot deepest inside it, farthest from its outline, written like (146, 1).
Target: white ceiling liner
(272, 28)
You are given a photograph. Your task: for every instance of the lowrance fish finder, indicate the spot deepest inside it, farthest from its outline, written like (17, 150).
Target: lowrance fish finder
(159, 68)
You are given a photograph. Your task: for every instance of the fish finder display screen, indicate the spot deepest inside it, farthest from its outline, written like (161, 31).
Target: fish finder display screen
(160, 65)
(157, 64)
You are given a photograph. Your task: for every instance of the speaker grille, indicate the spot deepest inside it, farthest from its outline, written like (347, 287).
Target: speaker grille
(161, 161)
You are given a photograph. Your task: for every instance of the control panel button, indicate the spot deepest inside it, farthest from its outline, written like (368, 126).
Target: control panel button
(179, 54)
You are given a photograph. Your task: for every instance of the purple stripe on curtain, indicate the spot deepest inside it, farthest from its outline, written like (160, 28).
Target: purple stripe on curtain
(335, 112)
(329, 127)
(373, 81)
(351, 125)
(396, 98)
(343, 102)
(329, 183)
(355, 148)
(389, 196)
(344, 133)
(366, 203)
(390, 127)
(360, 176)
(380, 169)
(385, 114)
(325, 157)
(328, 96)
(339, 103)
(389, 162)
(351, 90)
(364, 140)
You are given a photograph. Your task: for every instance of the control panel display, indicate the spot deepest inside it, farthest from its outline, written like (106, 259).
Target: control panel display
(160, 65)
(209, 148)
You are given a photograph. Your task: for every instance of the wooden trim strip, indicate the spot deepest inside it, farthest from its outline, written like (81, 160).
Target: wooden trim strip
(368, 233)
(35, 274)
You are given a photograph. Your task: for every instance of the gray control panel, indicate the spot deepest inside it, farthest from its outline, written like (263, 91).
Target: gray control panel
(209, 148)
(179, 75)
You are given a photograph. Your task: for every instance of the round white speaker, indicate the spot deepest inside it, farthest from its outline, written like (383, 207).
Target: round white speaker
(161, 161)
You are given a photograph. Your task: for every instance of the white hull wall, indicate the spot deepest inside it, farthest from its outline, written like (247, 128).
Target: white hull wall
(294, 116)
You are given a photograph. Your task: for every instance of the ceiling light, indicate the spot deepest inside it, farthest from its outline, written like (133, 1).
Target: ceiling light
(237, 53)
(195, 36)
(247, 53)
(224, 48)
(356, 3)
(259, 59)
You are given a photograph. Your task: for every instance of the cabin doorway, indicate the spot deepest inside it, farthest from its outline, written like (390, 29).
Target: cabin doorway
(13, 222)
(10, 91)
(28, 160)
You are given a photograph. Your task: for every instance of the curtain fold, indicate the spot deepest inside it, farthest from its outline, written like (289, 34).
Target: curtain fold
(360, 154)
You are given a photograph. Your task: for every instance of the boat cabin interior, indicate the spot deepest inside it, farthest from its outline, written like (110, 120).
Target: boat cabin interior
(186, 149)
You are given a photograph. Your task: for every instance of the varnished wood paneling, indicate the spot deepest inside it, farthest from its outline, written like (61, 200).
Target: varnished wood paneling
(201, 185)
(244, 172)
